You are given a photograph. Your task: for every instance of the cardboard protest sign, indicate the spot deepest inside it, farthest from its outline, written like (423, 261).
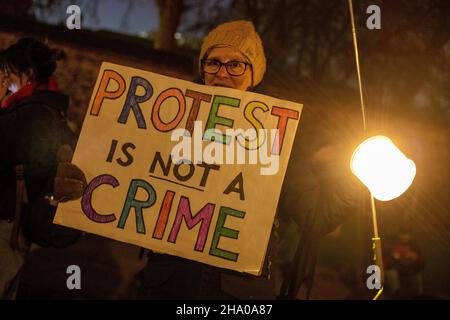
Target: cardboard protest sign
(181, 168)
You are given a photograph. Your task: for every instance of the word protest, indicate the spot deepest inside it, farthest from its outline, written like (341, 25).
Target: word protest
(148, 186)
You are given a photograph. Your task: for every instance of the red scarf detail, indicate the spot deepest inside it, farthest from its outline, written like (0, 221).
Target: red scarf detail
(28, 90)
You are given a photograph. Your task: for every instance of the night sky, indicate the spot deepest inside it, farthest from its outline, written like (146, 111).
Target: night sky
(143, 17)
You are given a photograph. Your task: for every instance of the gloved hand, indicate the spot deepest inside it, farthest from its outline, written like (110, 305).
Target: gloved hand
(70, 181)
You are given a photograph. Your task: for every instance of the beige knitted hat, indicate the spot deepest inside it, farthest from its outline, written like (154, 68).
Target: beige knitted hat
(242, 36)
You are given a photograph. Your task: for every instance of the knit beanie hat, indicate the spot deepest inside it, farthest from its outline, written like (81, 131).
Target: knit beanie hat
(242, 36)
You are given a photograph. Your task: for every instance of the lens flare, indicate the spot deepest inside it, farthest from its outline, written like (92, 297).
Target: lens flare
(383, 168)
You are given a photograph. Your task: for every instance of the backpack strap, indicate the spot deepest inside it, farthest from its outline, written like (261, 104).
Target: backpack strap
(21, 198)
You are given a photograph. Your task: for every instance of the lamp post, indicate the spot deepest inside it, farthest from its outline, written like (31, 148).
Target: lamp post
(380, 165)
(387, 173)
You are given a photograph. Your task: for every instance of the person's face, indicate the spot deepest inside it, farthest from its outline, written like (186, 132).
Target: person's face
(15, 82)
(222, 78)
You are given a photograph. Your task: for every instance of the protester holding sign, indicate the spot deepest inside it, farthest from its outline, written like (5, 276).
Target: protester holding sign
(32, 130)
(316, 192)
(232, 56)
(208, 202)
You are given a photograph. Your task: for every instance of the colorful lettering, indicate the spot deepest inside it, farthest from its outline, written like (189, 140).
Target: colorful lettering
(249, 115)
(166, 94)
(138, 205)
(132, 101)
(103, 93)
(86, 201)
(163, 216)
(214, 119)
(198, 97)
(203, 216)
(222, 231)
(284, 115)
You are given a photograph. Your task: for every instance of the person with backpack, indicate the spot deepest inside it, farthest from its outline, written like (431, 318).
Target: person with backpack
(36, 148)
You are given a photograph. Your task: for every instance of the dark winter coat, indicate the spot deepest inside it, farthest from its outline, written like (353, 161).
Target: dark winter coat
(31, 133)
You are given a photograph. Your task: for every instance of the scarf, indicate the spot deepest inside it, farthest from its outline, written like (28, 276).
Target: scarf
(11, 101)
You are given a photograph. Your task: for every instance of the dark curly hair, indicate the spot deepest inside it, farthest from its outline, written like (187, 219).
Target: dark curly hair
(30, 54)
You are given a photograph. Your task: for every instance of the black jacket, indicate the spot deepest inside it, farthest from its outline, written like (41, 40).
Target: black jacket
(31, 133)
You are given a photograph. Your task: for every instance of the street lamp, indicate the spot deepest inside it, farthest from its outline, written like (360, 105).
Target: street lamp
(382, 168)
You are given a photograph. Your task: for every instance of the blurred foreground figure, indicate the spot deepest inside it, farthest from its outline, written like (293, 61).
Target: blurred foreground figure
(36, 144)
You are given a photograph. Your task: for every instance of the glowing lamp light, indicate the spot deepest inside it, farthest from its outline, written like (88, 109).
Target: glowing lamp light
(382, 168)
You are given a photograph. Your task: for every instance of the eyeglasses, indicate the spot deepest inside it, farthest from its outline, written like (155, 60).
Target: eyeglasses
(234, 68)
